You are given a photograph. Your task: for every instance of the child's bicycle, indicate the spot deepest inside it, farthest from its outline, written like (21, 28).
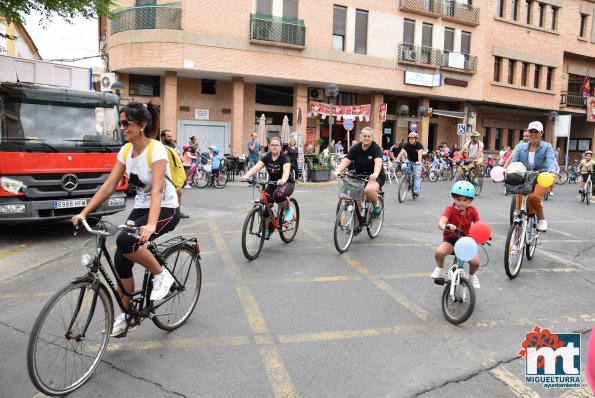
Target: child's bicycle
(352, 216)
(72, 331)
(406, 183)
(458, 298)
(587, 190)
(255, 231)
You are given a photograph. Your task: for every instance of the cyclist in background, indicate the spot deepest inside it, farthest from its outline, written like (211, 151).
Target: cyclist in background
(536, 155)
(367, 159)
(586, 167)
(413, 150)
(521, 142)
(461, 214)
(155, 210)
(474, 149)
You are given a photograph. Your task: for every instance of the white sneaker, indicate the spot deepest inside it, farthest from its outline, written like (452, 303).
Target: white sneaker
(161, 284)
(542, 225)
(120, 326)
(551, 194)
(474, 281)
(438, 273)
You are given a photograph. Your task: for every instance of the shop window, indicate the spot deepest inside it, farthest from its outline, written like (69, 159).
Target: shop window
(208, 87)
(148, 86)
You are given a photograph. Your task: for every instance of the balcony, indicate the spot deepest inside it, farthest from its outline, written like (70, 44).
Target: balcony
(448, 9)
(573, 100)
(458, 61)
(146, 17)
(410, 53)
(276, 31)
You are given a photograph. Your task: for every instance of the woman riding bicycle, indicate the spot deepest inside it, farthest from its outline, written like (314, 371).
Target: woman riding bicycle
(535, 155)
(367, 159)
(278, 166)
(156, 208)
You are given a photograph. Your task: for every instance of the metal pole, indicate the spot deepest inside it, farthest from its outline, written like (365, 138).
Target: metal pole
(330, 124)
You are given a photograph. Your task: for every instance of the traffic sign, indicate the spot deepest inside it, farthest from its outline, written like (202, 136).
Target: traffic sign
(348, 124)
(461, 129)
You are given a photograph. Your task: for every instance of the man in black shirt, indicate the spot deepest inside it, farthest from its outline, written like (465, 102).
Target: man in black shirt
(413, 149)
(367, 159)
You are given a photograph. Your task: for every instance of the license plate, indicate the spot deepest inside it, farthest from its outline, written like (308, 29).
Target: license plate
(67, 204)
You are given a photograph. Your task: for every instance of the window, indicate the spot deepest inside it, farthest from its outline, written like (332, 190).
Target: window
(511, 66)
(528, 5)
(509, 138)
(500, 8)
(554, 18)
(339, 15)
(497, 62)
(486, 138)
(524, 73)
(208, 87)
(290, 9)
(426, 42)
(514, 10)
(550, 77)
(408, 31)
(346, 99)
(274, 95)
(465, 42)
(148, 86)
(264, 7)
(497, 144)
(583, 28)
(449, 39)
(361, 31)
(541, 14)
(537, 76)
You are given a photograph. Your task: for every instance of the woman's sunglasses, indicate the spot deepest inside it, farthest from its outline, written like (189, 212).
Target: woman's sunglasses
(125, 123)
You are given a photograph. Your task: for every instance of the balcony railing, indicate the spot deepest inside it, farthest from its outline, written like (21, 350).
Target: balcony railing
(419, 54)
(277, 30)
(451, 9)
(146, 17)
(573, 100)
(459, 61)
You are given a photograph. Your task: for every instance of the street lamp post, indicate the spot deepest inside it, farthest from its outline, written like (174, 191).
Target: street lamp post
(117, 88)
(331, 92)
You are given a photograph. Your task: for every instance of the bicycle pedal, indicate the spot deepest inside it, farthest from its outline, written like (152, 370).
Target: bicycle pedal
(439, 281)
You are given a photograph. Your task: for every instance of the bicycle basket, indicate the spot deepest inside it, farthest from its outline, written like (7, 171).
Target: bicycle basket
(521, 183)
(351, 188)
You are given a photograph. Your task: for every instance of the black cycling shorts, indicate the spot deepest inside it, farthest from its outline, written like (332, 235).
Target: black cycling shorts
(280, 193)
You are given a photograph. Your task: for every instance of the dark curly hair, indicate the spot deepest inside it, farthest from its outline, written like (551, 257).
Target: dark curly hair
(148, 113)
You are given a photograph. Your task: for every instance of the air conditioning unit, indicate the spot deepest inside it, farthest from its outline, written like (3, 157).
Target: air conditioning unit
(106, 81)
(316, 94)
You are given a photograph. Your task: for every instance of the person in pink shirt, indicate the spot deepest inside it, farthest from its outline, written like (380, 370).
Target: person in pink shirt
(187, 158)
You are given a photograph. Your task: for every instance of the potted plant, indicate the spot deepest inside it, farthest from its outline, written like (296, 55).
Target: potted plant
(319, 168)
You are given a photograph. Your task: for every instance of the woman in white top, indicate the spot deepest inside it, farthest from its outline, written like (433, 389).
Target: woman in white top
(156, 209)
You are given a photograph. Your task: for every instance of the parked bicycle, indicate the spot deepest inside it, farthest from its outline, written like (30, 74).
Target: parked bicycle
(458, 297)
(406, 183)
(522, 235)
(355, 211)
(263, 219)
(72, 331)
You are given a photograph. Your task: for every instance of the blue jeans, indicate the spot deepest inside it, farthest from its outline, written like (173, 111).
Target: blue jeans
(416, 169)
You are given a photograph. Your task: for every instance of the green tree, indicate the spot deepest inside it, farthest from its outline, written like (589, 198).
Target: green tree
(14, 11)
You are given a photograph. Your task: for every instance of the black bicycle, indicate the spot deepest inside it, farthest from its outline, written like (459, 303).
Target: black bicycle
(71, 333)
(406, 184)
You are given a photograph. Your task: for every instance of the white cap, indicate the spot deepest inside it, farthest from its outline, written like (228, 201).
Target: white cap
(535, 126)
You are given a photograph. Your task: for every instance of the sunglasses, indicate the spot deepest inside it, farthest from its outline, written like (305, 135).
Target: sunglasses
(125, 123)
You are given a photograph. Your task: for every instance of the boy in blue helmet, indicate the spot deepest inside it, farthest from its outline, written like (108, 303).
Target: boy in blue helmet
(216, 163)
(461, 214)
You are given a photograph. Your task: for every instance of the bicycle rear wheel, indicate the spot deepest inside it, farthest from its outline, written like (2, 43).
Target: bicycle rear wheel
(562, 177)
(344, 226)
(433, 176)
(515, 245)
(375, 224)
(459, 308)
(403, 188)
(183, 263)
(200, 178)
(288, 230)
(253, 234)
(531, 244)
(478, 182)
(62, 355)
(221, 180)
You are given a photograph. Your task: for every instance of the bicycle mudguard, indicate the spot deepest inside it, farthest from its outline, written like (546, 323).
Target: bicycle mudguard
(86, 278)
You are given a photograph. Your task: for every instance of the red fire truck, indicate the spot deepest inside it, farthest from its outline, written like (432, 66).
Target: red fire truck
(57, 146)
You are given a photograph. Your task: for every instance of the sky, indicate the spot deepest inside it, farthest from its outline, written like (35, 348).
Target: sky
(65, 41)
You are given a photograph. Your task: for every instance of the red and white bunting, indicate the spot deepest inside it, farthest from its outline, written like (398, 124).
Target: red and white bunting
(340, 112)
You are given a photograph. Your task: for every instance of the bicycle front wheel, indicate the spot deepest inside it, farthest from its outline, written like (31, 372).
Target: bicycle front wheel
(515, 245)
(288, 229)
(183, 263)
(459, 307)
(588, 190)
(562, 177)
(375, 224)
(63, 352)
(433, 176)
(344, 226)
(253, 234)
(403, 188)
(200, 178)
(531, 240)
(512, 209)
(221, 180)
(478, 183)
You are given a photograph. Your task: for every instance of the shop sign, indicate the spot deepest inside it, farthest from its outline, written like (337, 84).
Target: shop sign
(423, 79)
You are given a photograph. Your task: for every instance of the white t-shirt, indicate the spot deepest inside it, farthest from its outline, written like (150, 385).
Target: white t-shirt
(473, 149)
(138, 166)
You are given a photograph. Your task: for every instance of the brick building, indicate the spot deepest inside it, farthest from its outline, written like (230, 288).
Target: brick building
(493, 67)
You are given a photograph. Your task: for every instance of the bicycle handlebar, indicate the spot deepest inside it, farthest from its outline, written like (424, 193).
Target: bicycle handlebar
(461, 234)
(132, 230)
(362, 177)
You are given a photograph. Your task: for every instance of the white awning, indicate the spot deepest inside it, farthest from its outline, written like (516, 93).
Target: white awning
(455, 114)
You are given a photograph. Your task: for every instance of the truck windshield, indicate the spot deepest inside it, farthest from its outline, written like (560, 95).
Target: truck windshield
(58, 124)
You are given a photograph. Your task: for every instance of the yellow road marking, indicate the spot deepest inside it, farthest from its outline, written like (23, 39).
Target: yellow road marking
(253, 313)
(559, 232)
(583, 392)
(516, 385)
(16, 250)
(25, 295)
(181, 343)
(282, 385)
(349, 334)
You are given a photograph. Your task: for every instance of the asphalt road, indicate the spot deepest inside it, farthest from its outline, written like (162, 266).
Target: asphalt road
(302, 320)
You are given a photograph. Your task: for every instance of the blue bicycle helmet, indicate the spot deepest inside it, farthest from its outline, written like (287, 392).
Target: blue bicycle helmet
(463, 188)
(215, 150)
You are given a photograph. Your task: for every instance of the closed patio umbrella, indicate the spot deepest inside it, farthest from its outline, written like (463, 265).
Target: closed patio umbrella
(285, 130)
(262, 131)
